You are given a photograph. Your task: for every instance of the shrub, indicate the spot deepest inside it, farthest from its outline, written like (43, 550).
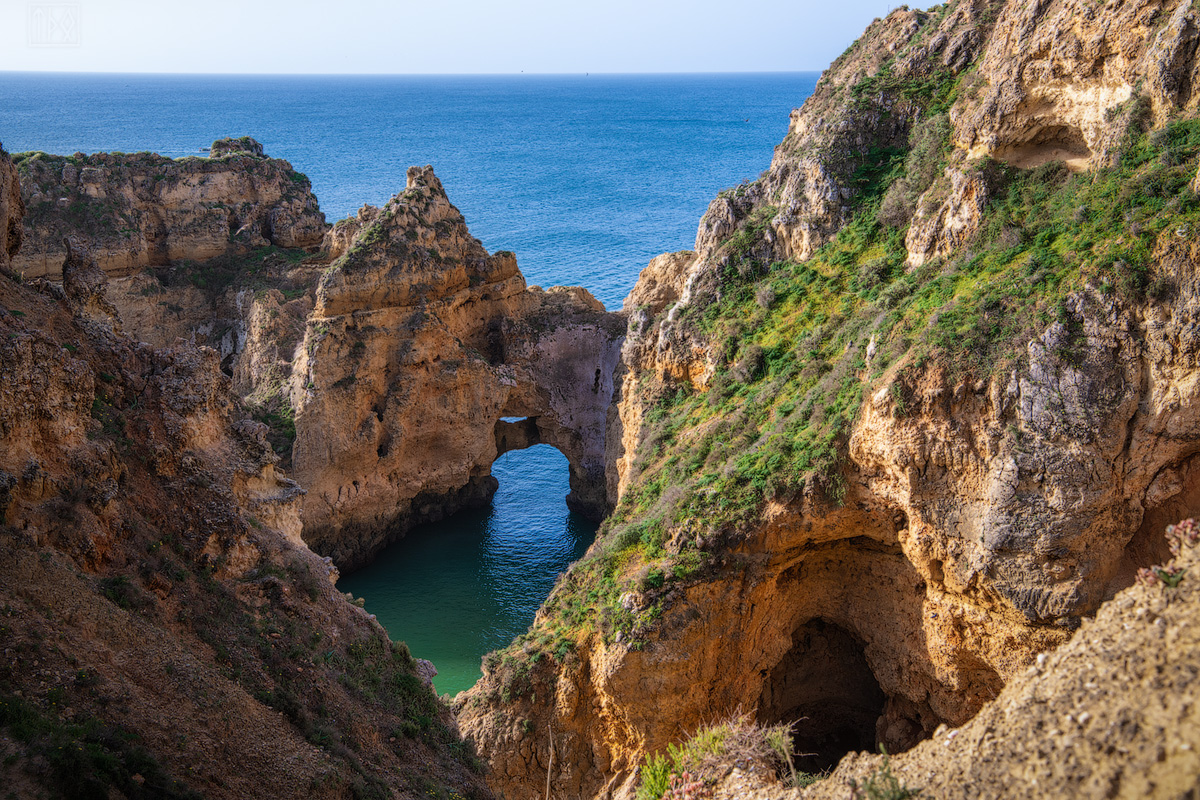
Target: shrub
(882, 785)
(709, 750)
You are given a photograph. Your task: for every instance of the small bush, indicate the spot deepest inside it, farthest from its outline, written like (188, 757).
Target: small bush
(882, 785)
(706, 754)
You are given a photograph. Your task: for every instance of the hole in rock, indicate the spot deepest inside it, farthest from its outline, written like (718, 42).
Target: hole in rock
(516, 433)
(1053, 143)
(824, 685)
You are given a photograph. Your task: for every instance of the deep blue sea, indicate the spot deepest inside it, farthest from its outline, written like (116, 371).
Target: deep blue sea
(584, 177)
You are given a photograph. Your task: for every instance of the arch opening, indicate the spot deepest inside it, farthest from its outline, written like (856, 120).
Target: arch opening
(588, 484)
(516, 433)
(825, 687)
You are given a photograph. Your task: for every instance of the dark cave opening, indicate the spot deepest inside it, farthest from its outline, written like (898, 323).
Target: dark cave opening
(824, 686)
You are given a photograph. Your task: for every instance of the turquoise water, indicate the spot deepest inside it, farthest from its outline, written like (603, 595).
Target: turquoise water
(457, 589)
(585, 178)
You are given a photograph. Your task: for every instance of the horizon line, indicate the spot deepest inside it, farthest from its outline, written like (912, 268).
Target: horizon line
(580, 73)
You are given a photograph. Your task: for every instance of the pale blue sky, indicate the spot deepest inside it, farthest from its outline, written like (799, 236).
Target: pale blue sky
(433, 36)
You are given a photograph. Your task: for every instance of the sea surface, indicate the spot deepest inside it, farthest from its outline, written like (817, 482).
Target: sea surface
(584, 177)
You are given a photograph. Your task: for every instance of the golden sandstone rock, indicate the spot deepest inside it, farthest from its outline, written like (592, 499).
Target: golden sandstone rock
(420, 342)
(142, 209)
(980, 519)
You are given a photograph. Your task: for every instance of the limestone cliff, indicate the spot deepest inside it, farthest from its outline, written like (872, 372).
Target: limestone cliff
(433, 339)
(1109, 714)
(1106, 715)
(142, 209)
(920, 401)
(419, 344)
(165, 631)
(12, 209)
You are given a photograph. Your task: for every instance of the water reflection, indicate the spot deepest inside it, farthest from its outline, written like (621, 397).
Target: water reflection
(455, 589)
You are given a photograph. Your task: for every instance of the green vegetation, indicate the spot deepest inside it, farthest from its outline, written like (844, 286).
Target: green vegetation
(257, 270)
(280, 419)
(882, 785)
(282, 659)
(86, 759)
(792, 342)
(715, 746)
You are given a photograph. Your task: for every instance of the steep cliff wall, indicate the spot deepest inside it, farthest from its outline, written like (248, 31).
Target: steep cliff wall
(420, 342)
(12, 209)
(909, 413)
(165, 631)
(142, 209)
(1109, 714)
(385, 373)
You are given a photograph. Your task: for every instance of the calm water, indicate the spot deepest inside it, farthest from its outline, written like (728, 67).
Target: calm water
(585, 178)
(462, 587)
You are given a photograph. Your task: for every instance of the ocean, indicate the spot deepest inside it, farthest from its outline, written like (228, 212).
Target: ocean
(584, 177)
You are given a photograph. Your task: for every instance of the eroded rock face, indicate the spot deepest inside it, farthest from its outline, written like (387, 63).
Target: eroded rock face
(942, 230)
(1095, 712)
(978, 528)
(153, 570)
(815, 174)
(419, 343)
(84, 286)
(142, 209)
(661, 285)
(12, 210)
(981, 520)
(340, 237)
(1057, 73)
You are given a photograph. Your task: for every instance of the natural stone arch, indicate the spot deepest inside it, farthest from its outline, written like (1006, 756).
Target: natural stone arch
(588, 490)
(419, 345)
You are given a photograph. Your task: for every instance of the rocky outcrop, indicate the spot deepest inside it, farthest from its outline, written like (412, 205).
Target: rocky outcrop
(942, 230)
(660, 286)
(1105, 714)
(239, 146)
(84, 288)
(12, 210)
(420, 342)
(163, 621)
(1051, 82)
(865, 104)
(139, 210)
(421, 311)
(824, 523)
(1091, 720)
(340, 237)
(1056, 77)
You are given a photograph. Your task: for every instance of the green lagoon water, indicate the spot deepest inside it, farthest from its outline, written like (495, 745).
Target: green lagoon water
(457, 589)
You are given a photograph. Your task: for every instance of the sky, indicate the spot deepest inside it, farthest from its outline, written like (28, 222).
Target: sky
(430, 37)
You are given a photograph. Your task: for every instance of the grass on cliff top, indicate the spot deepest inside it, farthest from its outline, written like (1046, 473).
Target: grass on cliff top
(709, 752)
(793, 341)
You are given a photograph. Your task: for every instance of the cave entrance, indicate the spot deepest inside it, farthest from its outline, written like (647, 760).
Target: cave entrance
(824, 686)
(1051, 143)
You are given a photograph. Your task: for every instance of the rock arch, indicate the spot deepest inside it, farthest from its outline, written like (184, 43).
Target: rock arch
(418, 348)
